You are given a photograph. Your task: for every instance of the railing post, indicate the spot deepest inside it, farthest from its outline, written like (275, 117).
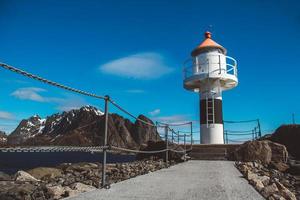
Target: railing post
(178, 137)
(184, 142)
(105, 142)
(252, 135)
(156, 131)
(259, 130)
(191, 135)
(172, 136)
(226, 136)
(167, 144)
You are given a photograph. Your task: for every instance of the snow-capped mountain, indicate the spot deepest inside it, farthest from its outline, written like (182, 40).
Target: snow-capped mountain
(35, 126)
(85, 127)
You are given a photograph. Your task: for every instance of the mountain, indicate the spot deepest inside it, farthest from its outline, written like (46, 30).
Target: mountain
(3, 138)
(82, 127)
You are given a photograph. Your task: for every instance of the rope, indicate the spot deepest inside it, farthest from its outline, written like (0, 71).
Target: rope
(245, 121)
(175, 124)
(38, 78)
(53, 149)
(128, 113)
(137, 151)
(233, 131)
(189, 132)
(239, 134)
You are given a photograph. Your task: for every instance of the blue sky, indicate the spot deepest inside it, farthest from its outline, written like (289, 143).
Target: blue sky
(134, 50)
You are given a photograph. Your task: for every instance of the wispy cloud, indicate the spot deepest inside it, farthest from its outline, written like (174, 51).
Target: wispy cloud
(71, 103)
(6, 115)
(147, 65)
(135, 91)
(173, 119)
(30, 93)
(62, 104)
(154, 112)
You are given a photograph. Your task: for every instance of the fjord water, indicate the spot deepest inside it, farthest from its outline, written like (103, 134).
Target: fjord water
(11, 162)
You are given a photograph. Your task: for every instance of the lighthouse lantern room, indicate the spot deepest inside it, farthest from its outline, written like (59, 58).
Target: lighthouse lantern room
(210, 72)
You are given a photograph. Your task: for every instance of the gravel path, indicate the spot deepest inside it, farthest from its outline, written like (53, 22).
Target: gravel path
(191, 180)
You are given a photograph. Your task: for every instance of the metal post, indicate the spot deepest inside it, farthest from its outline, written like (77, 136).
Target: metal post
(184, 142)
(167, 144)
(172, 136)
(105, 142)
(178, 136)
(226, 134)
(259, 130)
(156, 131)
(255, 132)
(252, 135)
(293, 118)
(191, 135)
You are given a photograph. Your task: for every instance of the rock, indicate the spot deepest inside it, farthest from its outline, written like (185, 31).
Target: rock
(264, 179)
(5, 177)
(263, 151)
(18, 191)
(280, 166)
(269, 190)
(289, 136)
(258, 185)
(80, 187)
(47, 172)
(286, 193)
(276, 197)
(58, 191)
(24, 177)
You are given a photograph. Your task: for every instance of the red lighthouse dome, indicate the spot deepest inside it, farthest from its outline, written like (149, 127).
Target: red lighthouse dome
(206, 45)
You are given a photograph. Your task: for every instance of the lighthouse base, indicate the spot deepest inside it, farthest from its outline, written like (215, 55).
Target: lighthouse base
(212, 134)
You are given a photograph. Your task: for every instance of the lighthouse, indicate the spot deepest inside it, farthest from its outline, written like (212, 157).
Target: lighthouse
(209, 72)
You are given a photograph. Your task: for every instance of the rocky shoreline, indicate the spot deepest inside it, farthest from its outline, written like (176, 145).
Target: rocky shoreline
(68, 179)
(269, 168)
(271, 183)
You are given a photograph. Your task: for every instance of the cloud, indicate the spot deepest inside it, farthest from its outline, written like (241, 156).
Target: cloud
(154, 112)
(147, 65)
(173, 119)
(67, 103)
(6, 115)
(29, 93)
(71, 103)
(135, 91)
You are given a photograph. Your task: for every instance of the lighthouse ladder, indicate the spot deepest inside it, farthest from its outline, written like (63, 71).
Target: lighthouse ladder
(210, 109)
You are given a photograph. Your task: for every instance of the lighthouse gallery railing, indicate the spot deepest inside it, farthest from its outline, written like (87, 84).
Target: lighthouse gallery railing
(190, 68)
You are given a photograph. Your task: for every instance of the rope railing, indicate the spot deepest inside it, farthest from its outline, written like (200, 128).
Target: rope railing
(108, 101)
(24, 73)
(253, 133)
(131, 115)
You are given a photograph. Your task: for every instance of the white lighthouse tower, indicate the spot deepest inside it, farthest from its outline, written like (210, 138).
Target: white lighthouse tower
(210, 72)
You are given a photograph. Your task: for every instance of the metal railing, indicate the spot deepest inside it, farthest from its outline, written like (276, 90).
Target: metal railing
(190, 68)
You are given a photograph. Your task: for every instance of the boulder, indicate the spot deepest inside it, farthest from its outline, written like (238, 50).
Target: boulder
(269, 190)
(58, 191)
(4, 177)
(24, 177)
(262, 151)
(280, 166)
(80, 187)
(41, 172)
(289, 136)
(286, 193)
